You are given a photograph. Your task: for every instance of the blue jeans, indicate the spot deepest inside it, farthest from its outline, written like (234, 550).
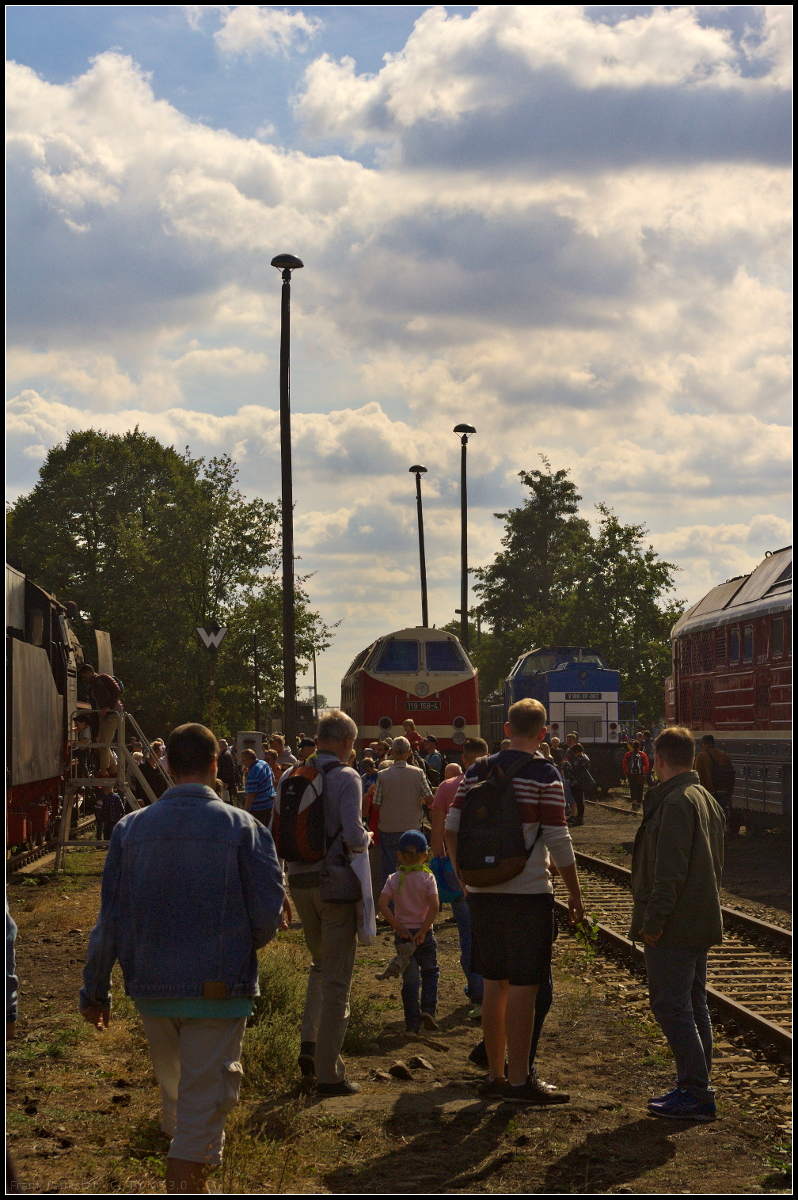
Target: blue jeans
(423, 964)
(462, 916)
(677, 990)
(389, 846)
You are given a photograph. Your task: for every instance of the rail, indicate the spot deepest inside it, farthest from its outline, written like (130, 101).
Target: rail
(748, 976)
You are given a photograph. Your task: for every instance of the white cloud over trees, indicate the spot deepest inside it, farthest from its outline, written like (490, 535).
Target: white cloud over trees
(574, 233)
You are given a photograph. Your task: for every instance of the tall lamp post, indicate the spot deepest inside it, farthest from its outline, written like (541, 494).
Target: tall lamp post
(286, 263)
(465, 431)
(418, 471)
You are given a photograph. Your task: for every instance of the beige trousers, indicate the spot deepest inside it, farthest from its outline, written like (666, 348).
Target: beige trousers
(331, 937)
(195, 1060)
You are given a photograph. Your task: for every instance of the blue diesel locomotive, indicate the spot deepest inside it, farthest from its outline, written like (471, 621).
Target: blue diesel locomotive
(581, 695)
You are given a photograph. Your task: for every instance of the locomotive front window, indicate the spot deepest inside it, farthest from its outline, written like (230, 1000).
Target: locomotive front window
(535, 663)
(400, 657)
(777, 637)
(748, 643)
(734, 645)
(444, 656)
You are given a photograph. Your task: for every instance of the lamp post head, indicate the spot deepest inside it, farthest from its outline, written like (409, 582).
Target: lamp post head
(287, 263)
(417, 470)
(464, 431)
(281, 261)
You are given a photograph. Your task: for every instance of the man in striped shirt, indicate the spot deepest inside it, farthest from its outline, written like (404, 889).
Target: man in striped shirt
(258, 788)
(513, 922)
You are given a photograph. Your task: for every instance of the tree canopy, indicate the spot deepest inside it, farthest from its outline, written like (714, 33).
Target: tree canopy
(150, 544)
(555, 582)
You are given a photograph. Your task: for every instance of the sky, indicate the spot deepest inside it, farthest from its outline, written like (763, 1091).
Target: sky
(567, 225)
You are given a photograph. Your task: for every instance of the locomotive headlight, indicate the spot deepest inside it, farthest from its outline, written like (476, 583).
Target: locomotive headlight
(459, 722)
(422, 689)
(385, 722)
(458, 737)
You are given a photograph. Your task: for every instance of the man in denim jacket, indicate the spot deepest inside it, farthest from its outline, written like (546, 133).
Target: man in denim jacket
(191, 889)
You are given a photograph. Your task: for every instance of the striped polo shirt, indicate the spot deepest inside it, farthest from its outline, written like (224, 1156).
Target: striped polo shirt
(539, 792)
(260, 782)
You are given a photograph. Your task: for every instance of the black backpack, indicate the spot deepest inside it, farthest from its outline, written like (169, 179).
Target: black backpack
(723, 776)
(490, 841)
(299, 828)
(636, 764)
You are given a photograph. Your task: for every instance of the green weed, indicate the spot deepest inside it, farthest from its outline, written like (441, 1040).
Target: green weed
(586, 934)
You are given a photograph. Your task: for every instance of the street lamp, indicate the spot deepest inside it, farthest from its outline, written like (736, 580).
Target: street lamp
(286, 263)
(464, 431)
(418, 471)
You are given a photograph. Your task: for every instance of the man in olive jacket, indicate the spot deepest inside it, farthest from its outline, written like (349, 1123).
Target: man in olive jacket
(676, 870)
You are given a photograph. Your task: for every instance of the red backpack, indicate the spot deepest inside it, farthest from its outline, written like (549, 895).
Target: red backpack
(299, 828)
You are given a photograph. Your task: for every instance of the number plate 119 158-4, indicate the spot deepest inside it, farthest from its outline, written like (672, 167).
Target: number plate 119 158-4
(415, 705)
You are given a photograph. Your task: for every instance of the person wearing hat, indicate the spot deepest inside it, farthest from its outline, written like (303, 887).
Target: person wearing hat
(307, 746)
(414, 894)
(432, 755)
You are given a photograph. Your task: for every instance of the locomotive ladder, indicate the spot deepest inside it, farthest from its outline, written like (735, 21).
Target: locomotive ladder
(124, 760)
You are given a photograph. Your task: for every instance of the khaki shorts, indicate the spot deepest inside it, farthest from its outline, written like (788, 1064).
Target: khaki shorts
(195, 1060)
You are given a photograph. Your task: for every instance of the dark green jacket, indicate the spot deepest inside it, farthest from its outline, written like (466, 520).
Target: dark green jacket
(676, 865)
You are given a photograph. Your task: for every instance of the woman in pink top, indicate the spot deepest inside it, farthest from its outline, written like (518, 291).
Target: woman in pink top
(413, 893)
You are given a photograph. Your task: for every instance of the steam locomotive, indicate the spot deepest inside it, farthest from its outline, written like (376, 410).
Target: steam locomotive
(43, 657)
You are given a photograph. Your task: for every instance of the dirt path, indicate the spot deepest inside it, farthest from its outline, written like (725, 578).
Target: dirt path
(83, 1106)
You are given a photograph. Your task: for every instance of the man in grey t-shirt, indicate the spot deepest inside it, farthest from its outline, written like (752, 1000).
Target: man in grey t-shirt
(330, 929)
(399, 794)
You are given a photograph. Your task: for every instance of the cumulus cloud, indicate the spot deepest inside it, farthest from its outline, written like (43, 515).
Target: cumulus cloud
(585, 258)
(249, 28)
(549, 80)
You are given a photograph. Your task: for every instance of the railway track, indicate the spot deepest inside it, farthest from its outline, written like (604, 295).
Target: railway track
(26, 857)
(748, 977)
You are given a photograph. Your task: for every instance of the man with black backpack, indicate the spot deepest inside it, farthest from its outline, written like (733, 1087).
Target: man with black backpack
(716, 772)
(317, 823)
(636, 768)
(507, 818)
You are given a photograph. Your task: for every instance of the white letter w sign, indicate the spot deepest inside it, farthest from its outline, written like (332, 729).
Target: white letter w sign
(212, 638)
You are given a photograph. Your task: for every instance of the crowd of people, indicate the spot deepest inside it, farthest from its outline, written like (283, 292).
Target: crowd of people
(197, 883)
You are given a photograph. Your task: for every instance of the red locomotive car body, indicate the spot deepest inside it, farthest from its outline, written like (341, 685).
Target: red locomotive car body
(732, 677)
(420, 673)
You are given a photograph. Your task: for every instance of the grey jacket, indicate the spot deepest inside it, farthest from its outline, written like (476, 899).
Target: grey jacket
(676, 865)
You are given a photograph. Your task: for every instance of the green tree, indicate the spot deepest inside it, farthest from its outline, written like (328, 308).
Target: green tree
(150, 544)
(537, 567)
(554, 583)
(621, 606)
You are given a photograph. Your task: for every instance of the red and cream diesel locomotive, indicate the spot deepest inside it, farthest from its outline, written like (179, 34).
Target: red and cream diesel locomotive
(732, 677)
(420, 673)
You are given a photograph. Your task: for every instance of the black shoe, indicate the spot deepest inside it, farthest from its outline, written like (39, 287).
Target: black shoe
(479, 1056)
(535, 1091)
(307, 1058)
(493, 1089)
(344, 1087)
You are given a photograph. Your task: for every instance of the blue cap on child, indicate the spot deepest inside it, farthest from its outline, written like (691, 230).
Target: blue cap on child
(413, 839)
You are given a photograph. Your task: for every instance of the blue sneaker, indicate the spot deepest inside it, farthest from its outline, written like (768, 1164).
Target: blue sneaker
(684, 1107)
(664, 1099)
